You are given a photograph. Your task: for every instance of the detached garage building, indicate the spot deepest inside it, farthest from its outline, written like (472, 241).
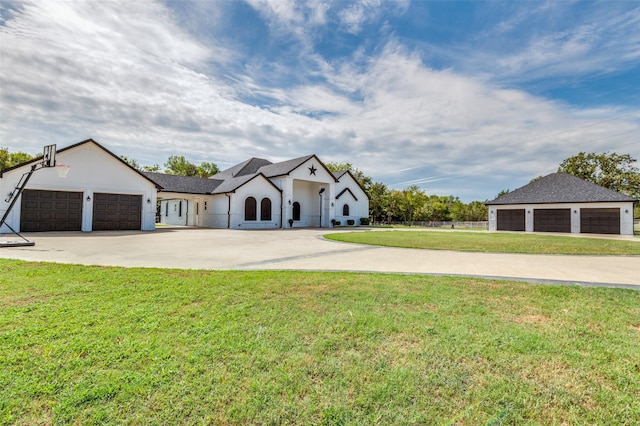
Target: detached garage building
(100, 192)
(561, 202)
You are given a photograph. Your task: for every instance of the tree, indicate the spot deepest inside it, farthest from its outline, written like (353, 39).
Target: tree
(503, 192)
(130, 161)
(611, 170)
(153, 169)
(378, 201)
(414, 198)
(10, 159)
(363, 180)
(207, 169)
(178, 165)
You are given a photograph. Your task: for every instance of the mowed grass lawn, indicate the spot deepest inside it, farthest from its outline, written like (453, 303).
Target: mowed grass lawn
(491, 242)
(98, 345)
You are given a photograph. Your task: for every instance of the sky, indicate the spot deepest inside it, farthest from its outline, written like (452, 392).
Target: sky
(463, 98)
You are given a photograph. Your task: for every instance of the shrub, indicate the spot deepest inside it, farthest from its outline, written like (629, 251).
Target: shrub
(364, 221)
(337, 223)
(350, 222)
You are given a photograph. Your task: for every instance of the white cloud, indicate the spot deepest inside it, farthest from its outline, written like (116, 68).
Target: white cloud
(132, 78)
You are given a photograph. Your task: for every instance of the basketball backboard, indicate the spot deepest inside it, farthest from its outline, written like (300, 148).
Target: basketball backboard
(49, 156)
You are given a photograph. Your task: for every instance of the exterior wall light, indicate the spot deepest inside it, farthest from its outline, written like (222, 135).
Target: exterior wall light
(148, 200)
(88, 198)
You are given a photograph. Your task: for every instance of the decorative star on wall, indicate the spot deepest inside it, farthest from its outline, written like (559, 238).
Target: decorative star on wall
(312, 170)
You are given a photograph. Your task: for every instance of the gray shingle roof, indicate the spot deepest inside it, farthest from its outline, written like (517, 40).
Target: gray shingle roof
(560, 188)
(284, 167)
(339, 174)
(248, 167)
(233, 183)
(183, 184)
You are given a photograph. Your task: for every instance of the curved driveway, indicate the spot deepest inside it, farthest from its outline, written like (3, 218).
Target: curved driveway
(305, 249)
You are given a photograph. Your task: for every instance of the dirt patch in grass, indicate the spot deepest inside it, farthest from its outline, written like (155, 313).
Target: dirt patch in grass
(532, 319)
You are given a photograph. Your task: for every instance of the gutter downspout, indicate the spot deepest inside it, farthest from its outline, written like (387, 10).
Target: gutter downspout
(228, 210)
(320, 194)
(281, 209)
(186, 213)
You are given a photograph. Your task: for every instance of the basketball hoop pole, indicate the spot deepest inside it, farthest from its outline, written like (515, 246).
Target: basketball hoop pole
(48, 160)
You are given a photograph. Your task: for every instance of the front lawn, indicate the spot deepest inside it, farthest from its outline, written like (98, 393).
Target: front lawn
(498, 242)
(98, 345)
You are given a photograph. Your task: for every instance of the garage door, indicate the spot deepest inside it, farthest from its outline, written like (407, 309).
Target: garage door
(113, 212)
(50, 211)
(552, 220)
(600, 221)
(511, 220)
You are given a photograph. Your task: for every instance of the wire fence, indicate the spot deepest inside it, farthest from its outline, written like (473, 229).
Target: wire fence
(440, 224)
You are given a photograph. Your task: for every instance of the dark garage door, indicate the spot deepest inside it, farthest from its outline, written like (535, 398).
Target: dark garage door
(600, 221)
(50, 211)
(511, 220)
(552, 220)
(114, 212)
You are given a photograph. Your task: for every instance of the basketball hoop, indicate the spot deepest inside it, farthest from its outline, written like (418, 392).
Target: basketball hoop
(62, 170)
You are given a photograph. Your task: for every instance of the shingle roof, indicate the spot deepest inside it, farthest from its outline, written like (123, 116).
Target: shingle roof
(284, 167)
(560, 188)
(183, 184)
(233, 183)
(339, 174)
(248, 167)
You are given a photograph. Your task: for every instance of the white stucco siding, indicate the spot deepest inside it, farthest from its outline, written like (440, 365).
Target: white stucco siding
(92, 171)
(320, 175)
(307, 195)
(257, 188)
(355, 197)
(626, 214)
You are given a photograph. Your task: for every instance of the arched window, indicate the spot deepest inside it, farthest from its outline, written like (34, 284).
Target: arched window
(296, 211)
(250, 209)
(345, 210)
(265, 209)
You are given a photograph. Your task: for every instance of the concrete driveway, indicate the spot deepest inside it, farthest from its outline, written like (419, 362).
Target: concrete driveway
(306, 249)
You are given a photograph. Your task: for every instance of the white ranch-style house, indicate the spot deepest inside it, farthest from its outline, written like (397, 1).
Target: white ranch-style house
(102, 192)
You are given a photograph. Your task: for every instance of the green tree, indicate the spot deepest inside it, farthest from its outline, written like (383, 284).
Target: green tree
(364, 180)
(414, 198)
(378, 201)
(207, 169)
(130, 161)
(154, 168)
(10, 159)
(611, 170)
(178, 165)
(503, 192)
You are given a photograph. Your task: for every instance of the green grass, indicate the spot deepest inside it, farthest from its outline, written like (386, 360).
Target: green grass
(491, 242)
(97, 345)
